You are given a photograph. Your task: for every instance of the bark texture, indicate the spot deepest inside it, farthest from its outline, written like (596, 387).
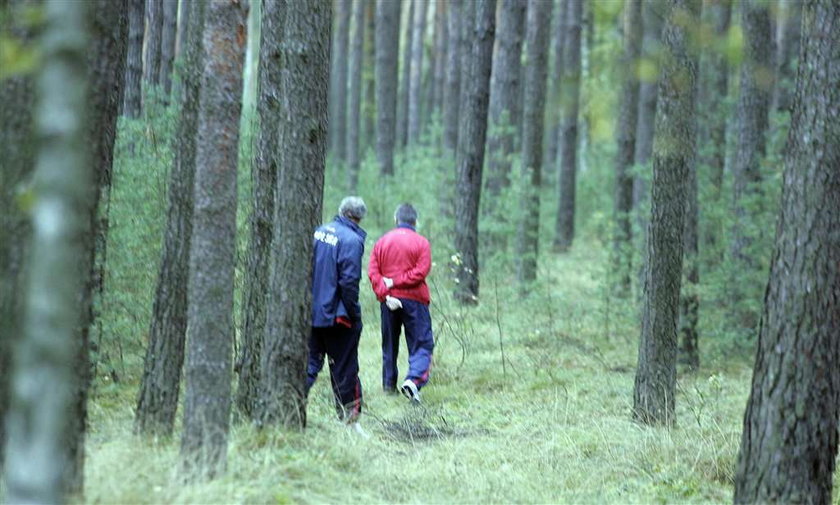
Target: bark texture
(505, 114)
(213, 246)
(533, 119)
(134, 60)
(440, 52)
(565, 227)
(475, 97)
(387, 47)
(338, 81)
(452, 90)
(153, 42)
(368, 78)
(405, 79)
(415, 84)
(263, 187)
(354, 125)
(300, 184)
(673, 152)
(167, 44)
(558, 42)
(790, 436)
(43, 402)
(157, 400)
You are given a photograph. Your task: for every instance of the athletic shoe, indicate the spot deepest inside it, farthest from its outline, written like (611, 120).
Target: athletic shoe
(409, 390)
(357, 428)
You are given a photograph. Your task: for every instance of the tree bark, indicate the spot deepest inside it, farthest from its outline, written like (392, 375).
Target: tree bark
(17, 93)
(441, 39)
(45, 373)
(753, 119)
(558, 46)
(452, 91)
(338, 93)
(368, 74)
(415, 84)
(790, 437)
(565, 227)
(210, 330)
(134, 60)
(788, 52)
(405, 79)
(470, 157)
(673, 152)
(533, 119)
(626, 147)
(505, 114)
(300, 185)
(167, 44)
(354, 107)
(387, 47)
(157, 400)
(153, 42)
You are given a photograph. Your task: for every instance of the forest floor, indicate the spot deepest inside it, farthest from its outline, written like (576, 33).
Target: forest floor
(529, 401)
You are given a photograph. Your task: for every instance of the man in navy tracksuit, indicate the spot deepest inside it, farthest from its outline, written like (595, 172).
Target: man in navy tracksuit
(399, 264)
(336, 313)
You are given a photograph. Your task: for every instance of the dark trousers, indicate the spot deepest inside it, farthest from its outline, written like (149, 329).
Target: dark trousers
(415, 317)
(341, 345)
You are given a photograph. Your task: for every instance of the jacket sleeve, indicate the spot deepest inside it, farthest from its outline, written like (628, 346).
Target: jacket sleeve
(349, 275)
(375, 275)
(415, 275)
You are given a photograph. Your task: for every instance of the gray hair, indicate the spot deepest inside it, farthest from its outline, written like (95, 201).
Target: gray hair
(405, 213)
(352, 207)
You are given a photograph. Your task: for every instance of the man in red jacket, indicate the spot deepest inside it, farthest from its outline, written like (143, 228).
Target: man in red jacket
(399, 264)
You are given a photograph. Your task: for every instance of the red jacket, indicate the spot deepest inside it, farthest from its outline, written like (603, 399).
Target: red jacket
(405, 256)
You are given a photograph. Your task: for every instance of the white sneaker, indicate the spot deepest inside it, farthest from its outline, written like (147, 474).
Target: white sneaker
(410, 391)
(357, 428)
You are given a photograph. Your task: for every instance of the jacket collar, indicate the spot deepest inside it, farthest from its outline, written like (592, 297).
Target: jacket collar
(349, 223)
(407, 226)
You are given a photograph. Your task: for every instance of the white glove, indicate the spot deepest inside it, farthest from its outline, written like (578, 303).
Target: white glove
(393, 303)
(389, 282)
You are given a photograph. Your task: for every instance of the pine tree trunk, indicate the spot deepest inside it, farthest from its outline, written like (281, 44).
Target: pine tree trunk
(626, 148)
(387, 47)
(368, 77)
(533, 118)
(441, 39)
(790, 437)
(753, 118)
(45, 374)
(405, 78)
(210, 329)
(261, 222)
(565, 227)
(354, 125)
(788, 52)
(167, 41)
(338, 93)
(17, 94)
(452, 90)
(415, 83)
(558, 47)
(673, 152)
(157, 400)
(134, 60)
(153, 42)
(475, 96)
(300, 184)
(505, 114)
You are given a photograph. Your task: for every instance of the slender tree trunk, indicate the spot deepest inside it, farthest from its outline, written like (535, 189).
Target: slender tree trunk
(354, 109)
(415, 83)
(157, 400)
(300, 184)
(387, 47)
(565, 228)
(452, 91)
(181, 35)
(626, 147)
(533, 119)
(788, 52)
(153, 42)
(558, 46)
(753, 119)
(134, 59)
(505, 114)
(213, 246)
(441, 39)
(475, 96)
(368, 74)
(673, 152)
(17, 93)
(338, 94)
(790, 437)
(405, 79)
(167, 41)
(45, 373)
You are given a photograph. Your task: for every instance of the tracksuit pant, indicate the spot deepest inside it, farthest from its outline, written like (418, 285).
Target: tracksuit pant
(341, 345)
(415, 317)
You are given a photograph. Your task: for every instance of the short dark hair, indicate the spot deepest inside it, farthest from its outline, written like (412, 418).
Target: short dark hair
(405, 213)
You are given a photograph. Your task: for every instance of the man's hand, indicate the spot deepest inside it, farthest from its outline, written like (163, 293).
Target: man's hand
(393, 303)
(389, 282)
